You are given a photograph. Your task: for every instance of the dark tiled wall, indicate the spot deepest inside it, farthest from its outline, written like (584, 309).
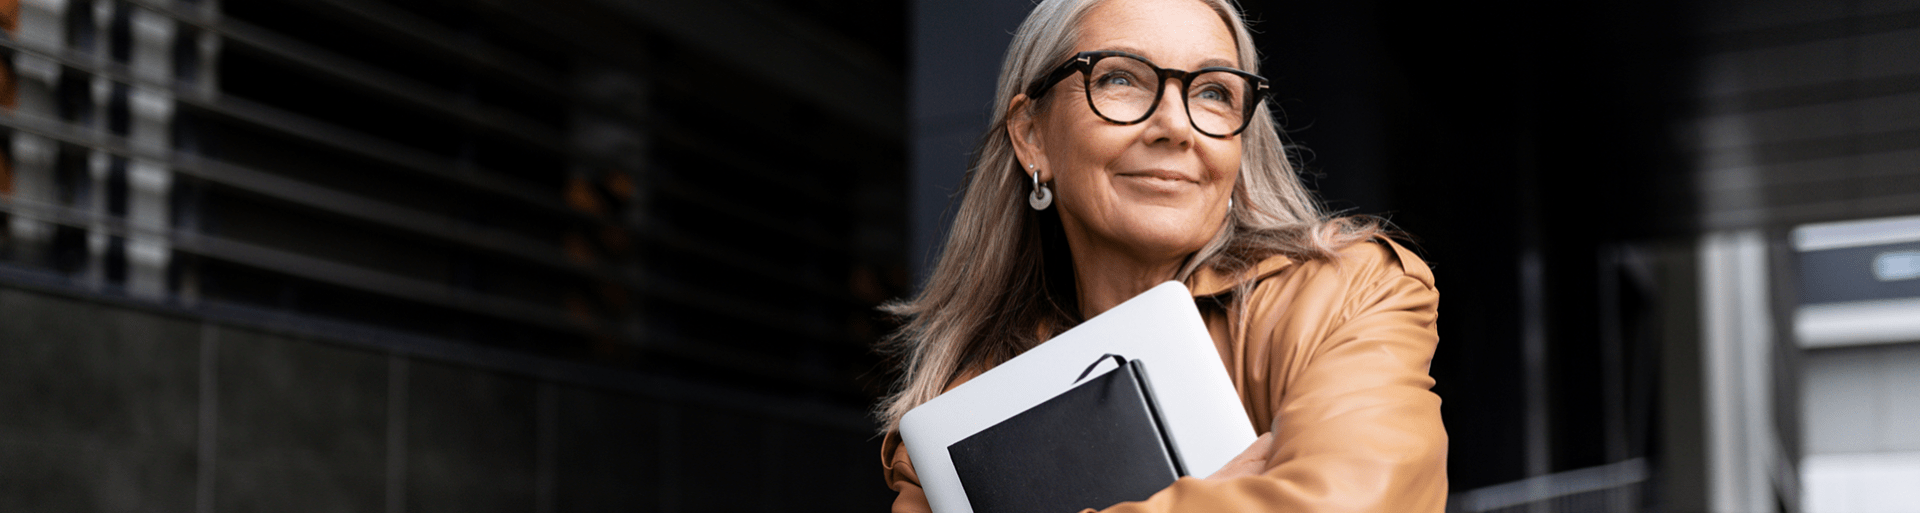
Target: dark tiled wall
(299, 423)
(97, 409)
(103, 410)
(609, 454)
(471, 438)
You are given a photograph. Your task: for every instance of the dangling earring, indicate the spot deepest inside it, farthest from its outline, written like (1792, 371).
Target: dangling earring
(1041, 197)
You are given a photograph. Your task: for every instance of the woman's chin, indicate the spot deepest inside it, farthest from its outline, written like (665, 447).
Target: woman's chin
(1172, 234)
(1152, 227)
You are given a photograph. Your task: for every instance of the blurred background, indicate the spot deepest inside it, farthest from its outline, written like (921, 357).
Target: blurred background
(623, 255)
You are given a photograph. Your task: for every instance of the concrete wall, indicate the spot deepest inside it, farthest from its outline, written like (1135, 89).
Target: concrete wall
(113, 408)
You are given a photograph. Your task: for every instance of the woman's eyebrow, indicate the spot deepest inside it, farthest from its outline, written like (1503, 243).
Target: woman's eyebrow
(1209, 63)
(1218, 63)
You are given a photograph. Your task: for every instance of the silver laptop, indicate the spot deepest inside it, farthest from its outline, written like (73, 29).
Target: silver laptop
(1161, 327)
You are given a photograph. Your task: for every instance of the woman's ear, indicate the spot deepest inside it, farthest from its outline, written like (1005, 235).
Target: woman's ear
(1022, 129)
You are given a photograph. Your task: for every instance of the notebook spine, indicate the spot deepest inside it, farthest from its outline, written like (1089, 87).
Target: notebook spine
(1159, 421)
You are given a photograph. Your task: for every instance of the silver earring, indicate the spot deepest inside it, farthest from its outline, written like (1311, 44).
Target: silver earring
(1041, 197)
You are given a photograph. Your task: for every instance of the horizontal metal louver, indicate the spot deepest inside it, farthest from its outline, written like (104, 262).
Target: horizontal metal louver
(1809, 114)
(544, 178)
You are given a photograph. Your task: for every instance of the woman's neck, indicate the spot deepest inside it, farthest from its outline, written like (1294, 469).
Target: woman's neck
(1106, 279)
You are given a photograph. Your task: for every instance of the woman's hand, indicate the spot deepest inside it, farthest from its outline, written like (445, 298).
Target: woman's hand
(1251, 462)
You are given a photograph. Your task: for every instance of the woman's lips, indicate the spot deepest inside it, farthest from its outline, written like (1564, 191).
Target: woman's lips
(1160, 175)
(1158, 182)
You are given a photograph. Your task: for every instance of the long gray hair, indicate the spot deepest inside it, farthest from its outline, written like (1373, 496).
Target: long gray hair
(1004, 281)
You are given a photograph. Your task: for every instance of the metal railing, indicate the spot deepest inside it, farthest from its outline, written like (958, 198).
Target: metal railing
(1611, 488)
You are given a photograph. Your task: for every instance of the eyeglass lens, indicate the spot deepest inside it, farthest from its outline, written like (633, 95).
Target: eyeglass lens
(1123, 89)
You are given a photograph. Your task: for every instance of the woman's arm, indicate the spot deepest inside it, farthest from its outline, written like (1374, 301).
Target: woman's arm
(1250, 462)
(1355, 427)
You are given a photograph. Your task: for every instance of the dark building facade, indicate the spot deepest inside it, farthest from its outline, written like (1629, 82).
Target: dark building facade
(447, 256)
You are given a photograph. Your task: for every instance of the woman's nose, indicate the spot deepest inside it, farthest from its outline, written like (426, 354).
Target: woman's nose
(1170, 121)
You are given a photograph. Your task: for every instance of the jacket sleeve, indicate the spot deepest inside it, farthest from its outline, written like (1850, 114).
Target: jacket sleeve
(901, 478)
(1356, 427)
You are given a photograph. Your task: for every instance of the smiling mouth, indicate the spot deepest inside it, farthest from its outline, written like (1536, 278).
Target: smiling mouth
(1168, 176)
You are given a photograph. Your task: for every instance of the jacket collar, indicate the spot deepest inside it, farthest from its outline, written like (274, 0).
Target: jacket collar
(1210, 282)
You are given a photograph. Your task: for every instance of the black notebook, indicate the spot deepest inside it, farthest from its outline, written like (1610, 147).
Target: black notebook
(1100, 443)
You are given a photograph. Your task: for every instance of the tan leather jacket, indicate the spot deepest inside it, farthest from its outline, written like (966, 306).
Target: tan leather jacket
(1333, 360)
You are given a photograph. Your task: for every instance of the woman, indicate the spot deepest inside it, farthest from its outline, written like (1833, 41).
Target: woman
(1129, 149)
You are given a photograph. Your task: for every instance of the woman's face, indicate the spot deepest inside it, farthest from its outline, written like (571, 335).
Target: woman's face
(1152, 192)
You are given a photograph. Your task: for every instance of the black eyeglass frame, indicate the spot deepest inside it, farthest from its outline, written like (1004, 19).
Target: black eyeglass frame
(1083, 62)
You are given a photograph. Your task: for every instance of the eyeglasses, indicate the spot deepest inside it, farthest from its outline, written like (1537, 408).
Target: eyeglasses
(1125, 88)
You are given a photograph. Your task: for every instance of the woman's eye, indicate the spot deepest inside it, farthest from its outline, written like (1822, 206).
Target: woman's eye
(1213, 94)
(1117, 80)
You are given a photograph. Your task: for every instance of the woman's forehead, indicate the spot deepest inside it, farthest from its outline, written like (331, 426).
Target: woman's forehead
(1185, 34)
